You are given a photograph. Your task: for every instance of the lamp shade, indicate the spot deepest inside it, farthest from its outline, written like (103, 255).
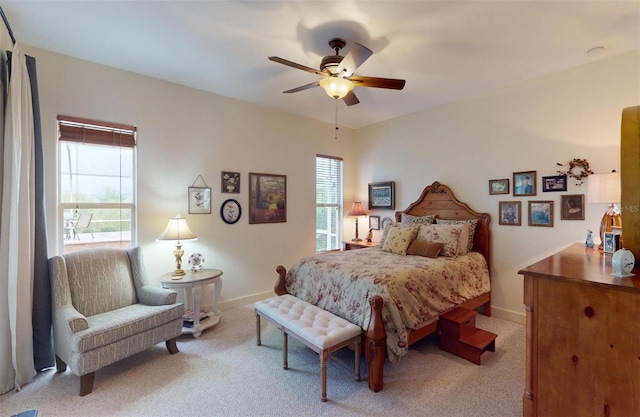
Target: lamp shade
(604, 188)
(357, 210)
(177, 229)
(336, 87)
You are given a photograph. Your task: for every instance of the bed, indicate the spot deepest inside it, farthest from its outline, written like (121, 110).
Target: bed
(387, 294)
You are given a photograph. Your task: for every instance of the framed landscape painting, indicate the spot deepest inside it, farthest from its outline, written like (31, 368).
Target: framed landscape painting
(267, 198)
(541, 213)
(499, 186)
(381, 195)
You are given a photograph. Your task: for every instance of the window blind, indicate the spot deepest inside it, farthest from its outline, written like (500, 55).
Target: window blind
(75, 129)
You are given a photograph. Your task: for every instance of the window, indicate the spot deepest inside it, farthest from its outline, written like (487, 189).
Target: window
(328, 203)
(97, 165)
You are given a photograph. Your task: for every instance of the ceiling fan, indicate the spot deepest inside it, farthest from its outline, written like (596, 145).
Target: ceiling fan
(338, 73)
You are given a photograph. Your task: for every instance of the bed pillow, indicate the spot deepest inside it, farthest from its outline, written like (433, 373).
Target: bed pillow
(409, 220)
(399, 238)
(424, 248)
(388, 227)
(448, 235)
(472, 228)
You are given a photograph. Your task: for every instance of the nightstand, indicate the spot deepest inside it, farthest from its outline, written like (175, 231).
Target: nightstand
(192, 283)
(350, 245)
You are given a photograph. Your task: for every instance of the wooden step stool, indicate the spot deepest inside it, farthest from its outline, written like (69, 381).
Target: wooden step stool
(459, 335)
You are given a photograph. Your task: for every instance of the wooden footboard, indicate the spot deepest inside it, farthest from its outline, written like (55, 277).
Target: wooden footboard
(373, 339)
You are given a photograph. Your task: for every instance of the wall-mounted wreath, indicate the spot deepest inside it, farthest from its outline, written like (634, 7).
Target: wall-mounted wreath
(578, 169)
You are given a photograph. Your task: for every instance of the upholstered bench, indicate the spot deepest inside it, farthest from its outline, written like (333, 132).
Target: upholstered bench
(316, 328)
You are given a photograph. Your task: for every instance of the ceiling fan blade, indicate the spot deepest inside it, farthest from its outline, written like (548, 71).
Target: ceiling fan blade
(295, 65)
(350, 99)
(303, 87)
(390, 83)
(356, 57)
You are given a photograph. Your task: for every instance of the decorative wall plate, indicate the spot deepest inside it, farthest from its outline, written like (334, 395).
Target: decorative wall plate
(196, 261)
(230, 211)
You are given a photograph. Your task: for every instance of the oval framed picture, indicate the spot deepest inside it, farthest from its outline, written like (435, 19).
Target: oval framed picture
(230, 211)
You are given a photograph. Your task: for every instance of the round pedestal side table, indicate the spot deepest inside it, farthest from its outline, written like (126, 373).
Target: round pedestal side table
(196, 320)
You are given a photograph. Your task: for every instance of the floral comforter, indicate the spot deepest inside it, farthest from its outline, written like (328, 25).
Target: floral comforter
(419, 288)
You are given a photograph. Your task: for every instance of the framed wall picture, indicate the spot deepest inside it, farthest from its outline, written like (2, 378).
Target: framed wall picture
(499, 186)
(230, 211)
(510, 213)
(524, 183)
(374, 222)
(267, 198)
(230, 182)
(554, 183)
(572, 207)
(541, 213)
(199, 200)
(381, 195)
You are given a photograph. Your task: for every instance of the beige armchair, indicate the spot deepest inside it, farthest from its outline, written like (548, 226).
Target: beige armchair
(105, 310)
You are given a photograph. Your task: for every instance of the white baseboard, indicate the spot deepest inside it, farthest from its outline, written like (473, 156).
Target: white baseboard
(241, 301)
(514, 316)
(501, 313)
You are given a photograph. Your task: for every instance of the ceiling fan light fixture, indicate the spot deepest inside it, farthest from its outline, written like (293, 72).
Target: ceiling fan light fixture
(336, 87)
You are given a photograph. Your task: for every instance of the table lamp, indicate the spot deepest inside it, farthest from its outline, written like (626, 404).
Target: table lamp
(356, 211)
(605, 189)
(177, 230)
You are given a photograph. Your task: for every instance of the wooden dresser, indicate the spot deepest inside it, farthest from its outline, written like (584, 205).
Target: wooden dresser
(583, 337)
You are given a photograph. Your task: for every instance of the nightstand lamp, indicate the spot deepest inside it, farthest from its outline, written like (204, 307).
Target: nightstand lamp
(178, 231)
(356, 211)
(605, 189)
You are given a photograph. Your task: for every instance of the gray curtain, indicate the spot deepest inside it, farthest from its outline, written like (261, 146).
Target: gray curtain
(43, 356)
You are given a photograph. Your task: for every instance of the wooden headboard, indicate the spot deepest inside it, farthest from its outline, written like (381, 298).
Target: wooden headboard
(438, 200)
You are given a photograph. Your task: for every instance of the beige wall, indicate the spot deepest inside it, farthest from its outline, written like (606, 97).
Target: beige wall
(531, 127)
(185, 132)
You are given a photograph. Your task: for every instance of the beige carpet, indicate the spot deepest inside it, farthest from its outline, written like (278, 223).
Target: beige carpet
(224, 373)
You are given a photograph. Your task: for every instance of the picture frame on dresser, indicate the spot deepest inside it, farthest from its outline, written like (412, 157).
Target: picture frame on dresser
(541, 213)
(611, 242)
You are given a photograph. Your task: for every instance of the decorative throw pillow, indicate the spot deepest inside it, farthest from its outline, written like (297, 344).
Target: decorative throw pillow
(446, 234)
(463, 240)
(472, 228)
(424, 248)
(385, 232)
(409, 220)
(399, 238)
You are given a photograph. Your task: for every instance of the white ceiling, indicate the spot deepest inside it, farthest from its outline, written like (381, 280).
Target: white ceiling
(446, 50)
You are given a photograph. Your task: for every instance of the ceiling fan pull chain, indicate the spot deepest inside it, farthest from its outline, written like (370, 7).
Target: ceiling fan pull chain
(336, 132)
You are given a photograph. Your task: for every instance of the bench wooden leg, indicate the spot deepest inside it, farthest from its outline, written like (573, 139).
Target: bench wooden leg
(324, 357)
(285, 350)
(258, 339)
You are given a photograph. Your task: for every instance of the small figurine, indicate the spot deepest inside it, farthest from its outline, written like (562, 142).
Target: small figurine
(370, 235)
(589, 242)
